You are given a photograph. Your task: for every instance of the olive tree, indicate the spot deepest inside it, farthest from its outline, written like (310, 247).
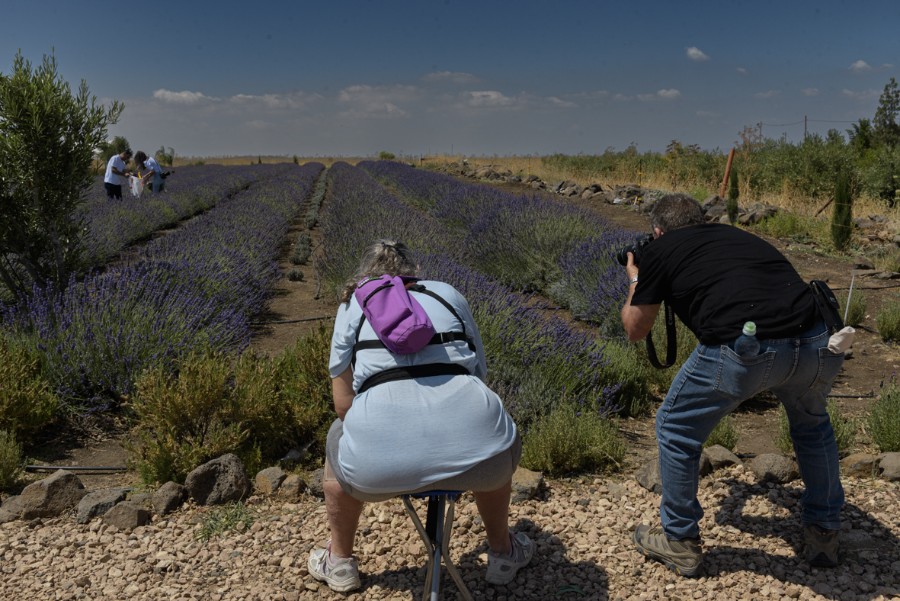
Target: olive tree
(48, 135)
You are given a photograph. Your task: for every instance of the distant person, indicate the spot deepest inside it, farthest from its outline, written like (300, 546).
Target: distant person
(154, 176)
(116, 174)
(414, 422)
(717, 278)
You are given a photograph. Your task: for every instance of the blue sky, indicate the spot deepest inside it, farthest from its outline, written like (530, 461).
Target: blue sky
(352, 78)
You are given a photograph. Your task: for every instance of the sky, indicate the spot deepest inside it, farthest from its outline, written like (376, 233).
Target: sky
(473, 78)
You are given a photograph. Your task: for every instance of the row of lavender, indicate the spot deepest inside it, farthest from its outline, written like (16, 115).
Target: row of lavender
(527, 242)
(112, 225)
(536, 363)
(194, 289)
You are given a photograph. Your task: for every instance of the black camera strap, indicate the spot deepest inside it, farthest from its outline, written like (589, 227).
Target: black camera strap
(671, 342)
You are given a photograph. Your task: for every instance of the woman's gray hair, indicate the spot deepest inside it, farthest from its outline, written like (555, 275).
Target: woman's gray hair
(673, 211)
(384, 256)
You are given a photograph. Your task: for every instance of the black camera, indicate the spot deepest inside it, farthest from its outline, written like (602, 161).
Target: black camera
(639, 243)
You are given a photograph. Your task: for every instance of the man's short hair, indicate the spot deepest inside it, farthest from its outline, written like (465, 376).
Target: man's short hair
(673, 211)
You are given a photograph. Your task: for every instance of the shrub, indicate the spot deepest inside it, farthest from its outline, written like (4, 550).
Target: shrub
(221, 519)
(724, 434)
(384, 155)
(844, 430)
(26, 401)
(295, 275)
(47, 141)
(888, 321)
(302, 249)
(884, 418)
(254, 406)
(568, 440)
(856, 310)
(185, 420)
(731, 204)
(10, 460)
(842, 218)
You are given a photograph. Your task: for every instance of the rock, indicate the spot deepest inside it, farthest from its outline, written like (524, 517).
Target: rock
(11, 509)
(771, 466)
(52, 496)
(268, 480)
(648, 476)
(314, 483)
(720, 457)
(859, 464)
(292, 487)
(168, 497)
(889, 467)
(219, 481)
(525, 484)
(127, 516)
(98, 502)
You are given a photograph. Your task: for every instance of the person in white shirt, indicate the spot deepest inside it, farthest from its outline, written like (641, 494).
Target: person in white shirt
(154, 174)
(116, 174)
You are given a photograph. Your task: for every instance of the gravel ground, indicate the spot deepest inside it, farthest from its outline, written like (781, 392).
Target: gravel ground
(582, 529)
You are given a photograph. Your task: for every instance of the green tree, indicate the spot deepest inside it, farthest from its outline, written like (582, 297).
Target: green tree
(886, 124)
(48, 136)
(165, 158)
(111, 147)
(862, 136)
(842, 218)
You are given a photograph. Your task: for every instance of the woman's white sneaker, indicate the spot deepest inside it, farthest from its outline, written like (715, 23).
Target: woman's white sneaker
(502, 568)
(340, 573)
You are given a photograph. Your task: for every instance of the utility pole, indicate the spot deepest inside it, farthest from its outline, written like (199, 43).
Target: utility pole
(804, 128)
(760, 130)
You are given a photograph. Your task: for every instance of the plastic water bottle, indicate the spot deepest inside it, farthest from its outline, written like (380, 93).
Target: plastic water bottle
(747, 345)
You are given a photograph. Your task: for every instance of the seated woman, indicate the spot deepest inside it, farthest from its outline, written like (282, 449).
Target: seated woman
(437, 432)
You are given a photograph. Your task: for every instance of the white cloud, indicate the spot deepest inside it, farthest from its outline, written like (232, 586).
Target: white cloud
(293, 101)
(376, 101)
(810, 91)
(450, 77)
(860, 66)
(742, 70)
(695, 54)
(665, 94)
(669, 93)
(861, 94)
(767, 94)
(184, 97)
(559, 102)
(488, 98)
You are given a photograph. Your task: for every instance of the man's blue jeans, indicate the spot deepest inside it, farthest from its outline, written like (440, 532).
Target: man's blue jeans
(714, 381)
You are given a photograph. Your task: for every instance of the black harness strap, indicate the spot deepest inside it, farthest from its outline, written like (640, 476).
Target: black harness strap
(438, 338)
(412, 372)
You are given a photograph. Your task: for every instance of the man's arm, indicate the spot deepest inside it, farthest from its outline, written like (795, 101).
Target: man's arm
(636, 319)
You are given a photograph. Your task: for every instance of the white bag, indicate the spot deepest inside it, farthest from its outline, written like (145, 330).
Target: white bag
(137, 186)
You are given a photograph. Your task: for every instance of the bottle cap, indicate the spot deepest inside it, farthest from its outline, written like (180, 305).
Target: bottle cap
(750, 328)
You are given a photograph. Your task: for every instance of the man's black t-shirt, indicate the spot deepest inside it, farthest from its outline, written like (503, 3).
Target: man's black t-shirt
(716, 277)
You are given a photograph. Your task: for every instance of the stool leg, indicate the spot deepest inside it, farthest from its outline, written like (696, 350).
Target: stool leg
(437, 532)
(445, 547)
(429, 546)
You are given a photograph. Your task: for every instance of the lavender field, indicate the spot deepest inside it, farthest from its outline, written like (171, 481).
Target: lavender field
(196, 287)
(201, 264)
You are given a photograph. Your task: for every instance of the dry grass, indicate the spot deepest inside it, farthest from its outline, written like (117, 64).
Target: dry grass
(789, 200)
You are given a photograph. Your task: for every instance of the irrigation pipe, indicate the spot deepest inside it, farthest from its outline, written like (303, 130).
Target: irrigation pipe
(72, 468)
(302, 319)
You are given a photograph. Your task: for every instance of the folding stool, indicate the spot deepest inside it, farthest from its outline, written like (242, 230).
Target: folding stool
(436, 536)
